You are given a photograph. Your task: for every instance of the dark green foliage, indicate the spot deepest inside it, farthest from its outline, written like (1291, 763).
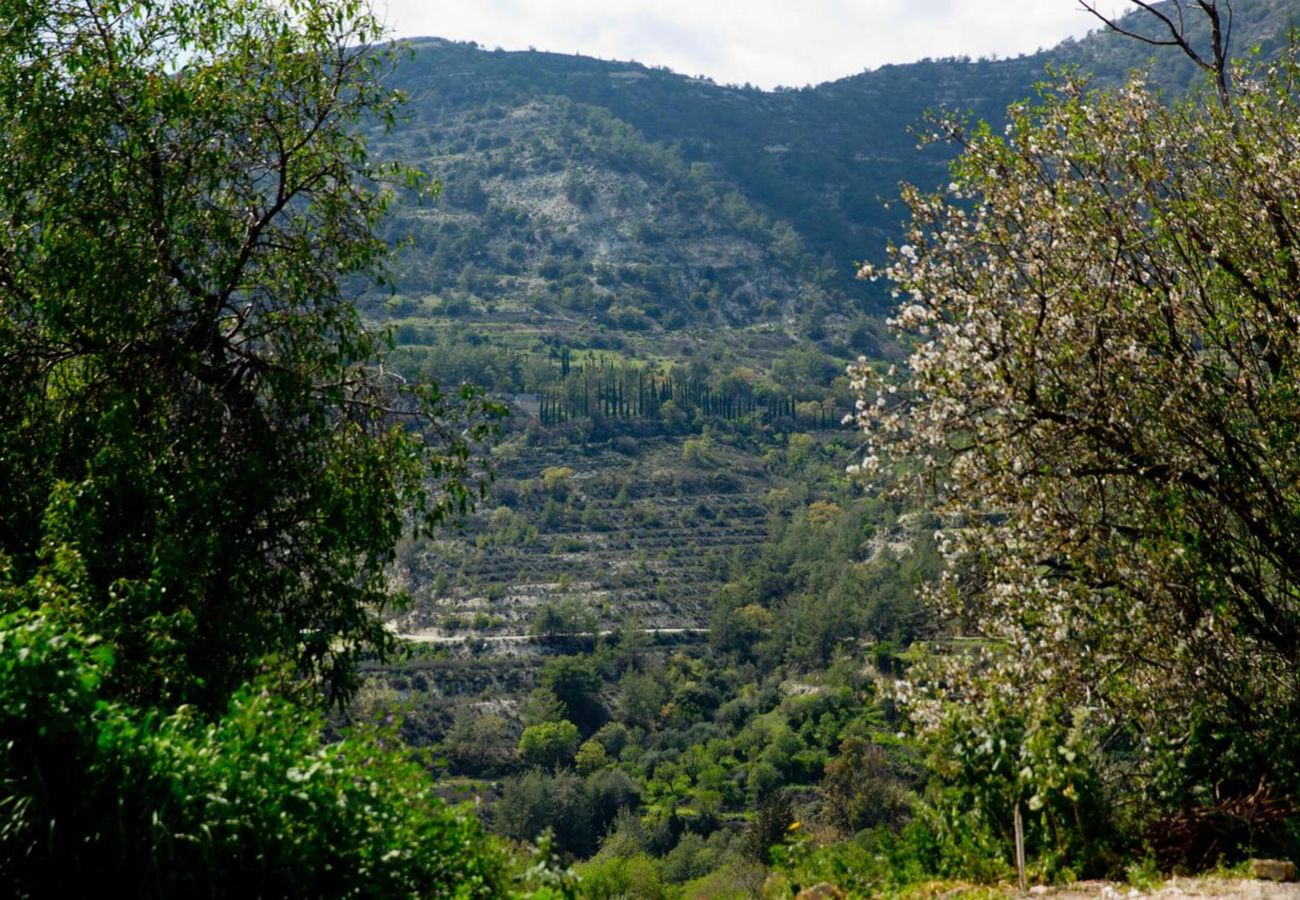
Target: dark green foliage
(576, 683)
(696, 856)
(863, 788)
(563, 619)
(480, 743)
(206, 468)
(1246, 814)
(640, 699)
(187, 397)
(252, 803)
(577, 812)
(611, 792)
(773, 818)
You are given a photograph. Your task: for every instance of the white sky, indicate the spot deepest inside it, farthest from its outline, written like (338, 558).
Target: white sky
(764, 42)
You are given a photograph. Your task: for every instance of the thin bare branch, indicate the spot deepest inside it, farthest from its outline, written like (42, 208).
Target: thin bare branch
(1177, 30)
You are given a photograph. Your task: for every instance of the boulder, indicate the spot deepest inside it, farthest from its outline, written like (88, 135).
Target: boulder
(1273, 869)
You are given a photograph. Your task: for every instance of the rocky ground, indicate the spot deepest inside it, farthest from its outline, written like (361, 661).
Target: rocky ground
(1177, 887)
(1204, 886)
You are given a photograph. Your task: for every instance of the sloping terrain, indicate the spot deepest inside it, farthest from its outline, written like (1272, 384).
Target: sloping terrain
(615, 164)
(600, 213)
(640, 531)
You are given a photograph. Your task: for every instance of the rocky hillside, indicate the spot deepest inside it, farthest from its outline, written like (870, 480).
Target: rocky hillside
(601, 217)
(648, 199)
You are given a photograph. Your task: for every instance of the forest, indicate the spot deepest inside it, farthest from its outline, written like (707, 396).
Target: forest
(437, 471)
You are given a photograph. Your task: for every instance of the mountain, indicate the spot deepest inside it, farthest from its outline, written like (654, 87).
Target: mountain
(641, 261)
(580, 188)
(656, 272)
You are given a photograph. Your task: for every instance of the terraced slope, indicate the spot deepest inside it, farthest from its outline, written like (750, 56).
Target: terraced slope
(645, 534)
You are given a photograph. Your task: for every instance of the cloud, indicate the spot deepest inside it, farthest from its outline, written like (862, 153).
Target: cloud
(764, 42)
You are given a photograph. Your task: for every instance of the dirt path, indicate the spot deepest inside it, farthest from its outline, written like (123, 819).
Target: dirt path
(1175, 887)
(434, 636)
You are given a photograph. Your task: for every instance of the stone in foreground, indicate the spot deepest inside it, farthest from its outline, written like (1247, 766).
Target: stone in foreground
(1273, 869)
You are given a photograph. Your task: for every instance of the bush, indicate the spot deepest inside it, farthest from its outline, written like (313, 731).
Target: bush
(693, 857)
(548, 744)
(253, 803)
(611, 792)
(626, 879)
(1041, 758)
(854, 866)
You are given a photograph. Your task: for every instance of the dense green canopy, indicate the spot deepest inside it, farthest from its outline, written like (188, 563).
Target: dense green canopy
(189, 398)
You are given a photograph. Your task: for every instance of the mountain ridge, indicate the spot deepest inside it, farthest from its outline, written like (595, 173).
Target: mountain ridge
(783, 187)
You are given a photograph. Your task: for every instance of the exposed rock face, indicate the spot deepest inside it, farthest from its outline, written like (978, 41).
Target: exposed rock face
(822, 891)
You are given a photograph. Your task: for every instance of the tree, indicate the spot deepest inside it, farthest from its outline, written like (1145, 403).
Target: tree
(536, 801)
(190, 399)
(568, 617)
(549, 744)
(591, 757)
(479, 743)
(861, 789)
(640, 699)
(205, 467)
(1103, 312)
(575, 681)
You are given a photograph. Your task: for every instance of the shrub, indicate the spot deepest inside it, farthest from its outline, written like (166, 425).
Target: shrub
(252, 803)
(618, 878)
(548, 744)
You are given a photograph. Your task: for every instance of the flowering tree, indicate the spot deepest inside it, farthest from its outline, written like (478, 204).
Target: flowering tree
(1103, 399)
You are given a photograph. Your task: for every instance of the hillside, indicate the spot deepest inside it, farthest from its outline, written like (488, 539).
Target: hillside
(654, 272)
(581, 526)
(558, 166)
(605, 224)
